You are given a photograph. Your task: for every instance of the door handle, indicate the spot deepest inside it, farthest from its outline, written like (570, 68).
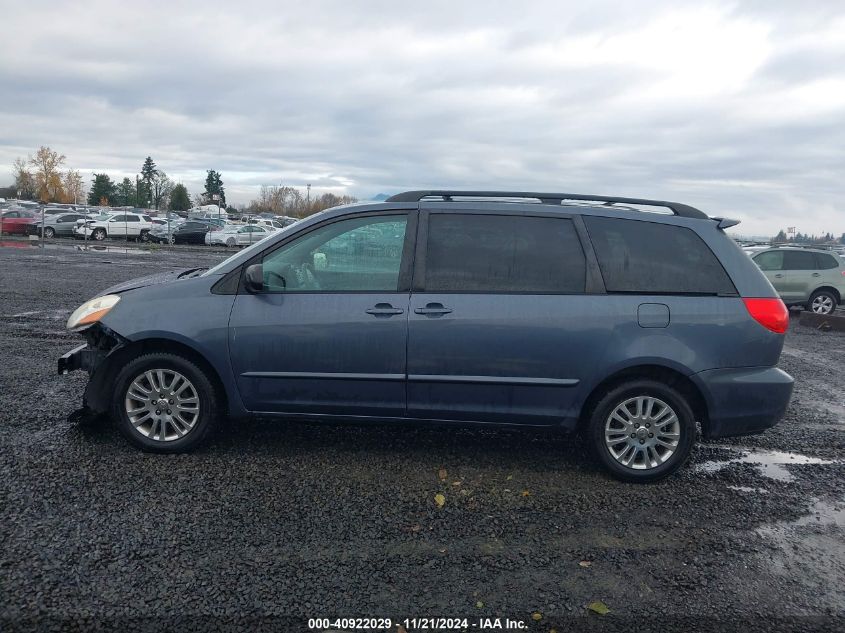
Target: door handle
(817, 274)
(433, 309)
(383, 309)
(778, 275)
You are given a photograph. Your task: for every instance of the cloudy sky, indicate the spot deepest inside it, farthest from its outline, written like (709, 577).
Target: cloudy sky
(735, 107)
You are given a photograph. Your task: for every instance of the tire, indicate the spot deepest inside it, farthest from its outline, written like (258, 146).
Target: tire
(822, 302)
(145, 236)
(99, 234)
(231, 242)
(171, 240)
(153, 430)
(649, 460)
(49, 232)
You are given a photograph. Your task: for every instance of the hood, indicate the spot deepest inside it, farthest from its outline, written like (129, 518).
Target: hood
(152, 280)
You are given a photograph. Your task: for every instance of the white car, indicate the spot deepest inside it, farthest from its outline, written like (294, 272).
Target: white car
(131, 225)
(237, 235)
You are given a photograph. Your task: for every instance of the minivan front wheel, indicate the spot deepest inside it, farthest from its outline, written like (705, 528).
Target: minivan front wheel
(823, 302)
(642, 430)
(164, 403)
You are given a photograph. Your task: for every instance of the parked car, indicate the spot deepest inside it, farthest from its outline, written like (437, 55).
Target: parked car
(267, 223)
(121, 224)
(237, 235)
(15, 221)
(189, 232)
(500, 308)
(58, 224)
(811, 278)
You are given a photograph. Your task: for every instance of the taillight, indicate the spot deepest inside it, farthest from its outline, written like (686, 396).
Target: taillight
(772, 314)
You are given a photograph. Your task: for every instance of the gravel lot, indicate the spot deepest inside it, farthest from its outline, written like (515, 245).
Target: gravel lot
(273, 523)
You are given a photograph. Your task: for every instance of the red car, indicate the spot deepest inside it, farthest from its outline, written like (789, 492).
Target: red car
(16, 221)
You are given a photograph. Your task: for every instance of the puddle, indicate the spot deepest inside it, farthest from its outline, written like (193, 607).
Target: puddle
(771, 464)
(75, 246)
(822, 514)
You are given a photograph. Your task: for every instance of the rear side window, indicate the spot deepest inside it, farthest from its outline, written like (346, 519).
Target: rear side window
(501, 253)
(652, 258)
(826, 262)
(770, 260)
(798, 260)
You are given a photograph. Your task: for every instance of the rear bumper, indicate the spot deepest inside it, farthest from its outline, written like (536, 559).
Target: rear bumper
(743, 401)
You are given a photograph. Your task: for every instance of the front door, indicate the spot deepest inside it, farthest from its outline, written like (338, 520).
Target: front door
(328, 334)
(499, 321)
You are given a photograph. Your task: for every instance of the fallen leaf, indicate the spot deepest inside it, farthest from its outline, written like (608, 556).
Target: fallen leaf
(456, 483)
(598, 607)
(415, 528)
(442, 551)
(440, 500)
(401, 629)
(525, 493)
(536, 616)
(585, 563)
(442, 474)
(479, 605)
(509, 477)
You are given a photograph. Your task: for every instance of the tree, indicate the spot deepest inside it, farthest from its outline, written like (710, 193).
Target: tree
(24, 180)
(780, 237)
(214, 185)
(102, 190)
(162, 187)
(179, 198)
(48, 177)
(148, 174)
(73, 186)
(125, 194)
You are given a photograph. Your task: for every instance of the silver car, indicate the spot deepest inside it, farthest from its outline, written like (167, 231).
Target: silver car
(807, 277)
(58, 224)
(237, 235)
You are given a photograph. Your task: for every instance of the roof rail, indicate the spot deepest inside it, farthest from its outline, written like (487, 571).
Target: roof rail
(677, 208)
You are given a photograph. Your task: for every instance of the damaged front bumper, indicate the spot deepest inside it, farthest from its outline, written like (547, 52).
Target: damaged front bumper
(82, 357)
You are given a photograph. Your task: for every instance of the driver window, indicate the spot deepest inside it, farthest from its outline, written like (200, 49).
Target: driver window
(360, 254)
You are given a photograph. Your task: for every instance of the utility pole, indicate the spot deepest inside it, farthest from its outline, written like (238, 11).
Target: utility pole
(308, 204)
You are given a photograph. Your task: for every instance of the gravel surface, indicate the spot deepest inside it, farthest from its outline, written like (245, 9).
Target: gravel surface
(272, 523)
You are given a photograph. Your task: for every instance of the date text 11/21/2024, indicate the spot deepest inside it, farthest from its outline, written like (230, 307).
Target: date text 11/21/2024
(417, 624)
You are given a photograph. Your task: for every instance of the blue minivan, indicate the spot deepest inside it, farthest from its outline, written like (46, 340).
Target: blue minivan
(632, 321)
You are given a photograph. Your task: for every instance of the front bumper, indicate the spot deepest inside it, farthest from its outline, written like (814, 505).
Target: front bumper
(743, 401)
(82, 357)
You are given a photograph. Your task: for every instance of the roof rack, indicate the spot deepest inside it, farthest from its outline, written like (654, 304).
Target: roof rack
(677, 208)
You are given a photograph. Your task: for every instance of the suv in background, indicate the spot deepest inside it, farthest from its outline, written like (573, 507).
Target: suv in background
(129, 225)
(811, 278)
(564, 311)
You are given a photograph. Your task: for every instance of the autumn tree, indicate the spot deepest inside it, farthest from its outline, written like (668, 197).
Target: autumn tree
(24, 179)
(47, 174)
(102, 190)
(179, 198)
(74, 188)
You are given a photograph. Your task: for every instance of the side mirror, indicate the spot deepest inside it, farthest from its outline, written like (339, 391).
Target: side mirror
(254, 278)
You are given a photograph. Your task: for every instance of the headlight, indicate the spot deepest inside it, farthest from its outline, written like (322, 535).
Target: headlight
(92, 311)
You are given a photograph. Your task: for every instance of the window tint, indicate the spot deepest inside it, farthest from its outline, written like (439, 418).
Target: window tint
(355, 255)
(648, 257)
(132, 218)
(826, 262)
(770, 260)
(502, 253)
(118, 218)
(798, 260)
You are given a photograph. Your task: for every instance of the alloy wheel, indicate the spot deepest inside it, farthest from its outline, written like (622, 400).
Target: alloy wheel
(642, 432)
(822, 304)
(162, 405)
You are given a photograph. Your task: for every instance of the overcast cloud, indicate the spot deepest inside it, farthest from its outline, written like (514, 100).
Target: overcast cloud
(737, 108)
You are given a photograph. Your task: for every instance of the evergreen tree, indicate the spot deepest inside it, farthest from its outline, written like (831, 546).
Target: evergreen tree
(102, 190)
(179, 198)
(214, 185)
(780, 237)
(125, 194)
(145, 188)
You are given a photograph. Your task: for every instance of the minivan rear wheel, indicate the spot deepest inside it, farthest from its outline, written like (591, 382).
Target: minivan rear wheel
(642, 430)
(822, 302)
(164, 403)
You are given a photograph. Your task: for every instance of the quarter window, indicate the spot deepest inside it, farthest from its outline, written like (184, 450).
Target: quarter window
(355, 255)
(503, 254)
(826, 262)
(654, 258)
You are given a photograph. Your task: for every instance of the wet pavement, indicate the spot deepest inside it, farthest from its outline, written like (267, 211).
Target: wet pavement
(273, 523)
